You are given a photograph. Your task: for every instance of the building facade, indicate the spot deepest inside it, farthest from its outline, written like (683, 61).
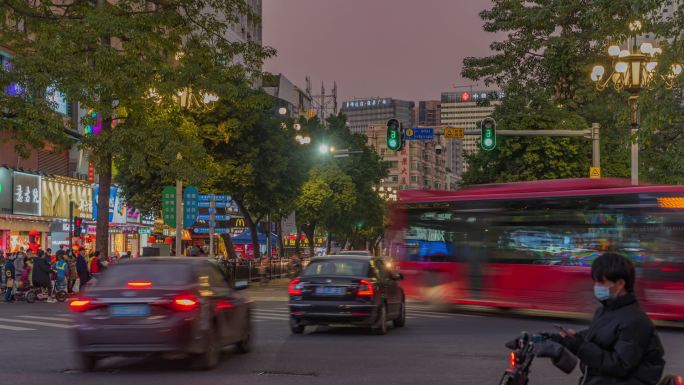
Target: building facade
(428, 113)
(416, 166)
(364, 112)
(466, 109)
(287, 95)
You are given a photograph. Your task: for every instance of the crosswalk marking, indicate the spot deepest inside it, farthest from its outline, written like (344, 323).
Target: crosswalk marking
(15, 328)
(270, 317)
(58, 319)
(53, 325)
(272, 311)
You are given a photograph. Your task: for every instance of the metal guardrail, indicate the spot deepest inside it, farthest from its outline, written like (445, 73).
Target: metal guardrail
(250, 270)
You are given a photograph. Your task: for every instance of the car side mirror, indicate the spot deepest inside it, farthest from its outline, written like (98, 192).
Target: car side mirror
(241, 285)
(398, 277)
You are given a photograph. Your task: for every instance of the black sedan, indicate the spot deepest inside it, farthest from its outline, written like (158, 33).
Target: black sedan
(337, 289)
(166, 305)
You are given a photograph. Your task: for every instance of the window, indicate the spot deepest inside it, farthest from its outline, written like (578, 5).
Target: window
(393, 178)
(414, 178)
(392, 164)
(345, 267)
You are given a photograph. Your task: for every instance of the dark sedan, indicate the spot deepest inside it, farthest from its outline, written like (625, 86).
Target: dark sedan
(161, 305)
(337, 289)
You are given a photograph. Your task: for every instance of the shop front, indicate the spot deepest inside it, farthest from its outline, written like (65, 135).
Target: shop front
(24, 228)
(63, 199)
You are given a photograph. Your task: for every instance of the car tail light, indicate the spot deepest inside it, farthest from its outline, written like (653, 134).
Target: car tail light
(513, 360)
(365, 289)
(295, 287)
(80, 305)
(224, 304)
(139, 284)
(184, 303)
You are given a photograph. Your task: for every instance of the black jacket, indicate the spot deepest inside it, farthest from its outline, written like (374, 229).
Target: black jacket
(41, 271)
(620, 347)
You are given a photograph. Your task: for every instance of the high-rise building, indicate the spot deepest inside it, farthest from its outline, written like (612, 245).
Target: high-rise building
(363, 112)
(248, 28)
(416, 166)
(465, 109)
(286, 95)
(428, 113)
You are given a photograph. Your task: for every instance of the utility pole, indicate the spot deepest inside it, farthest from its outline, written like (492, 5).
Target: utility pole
(212, 210)
(179, 212)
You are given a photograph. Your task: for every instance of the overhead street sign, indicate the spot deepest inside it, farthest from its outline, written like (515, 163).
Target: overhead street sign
(205, 230)
(595, 172)
(217, 217)
(217, 204)
(454, 132)
(218, 198)
(419, 133)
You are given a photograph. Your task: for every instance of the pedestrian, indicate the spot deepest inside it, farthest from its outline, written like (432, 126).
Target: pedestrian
(10, 276)
(51, 257)
(61, 269)
(41, 273)
(60, 252)
(73, 272)
(82, 270)
(621, 345)
(95, 264)
(263, 268)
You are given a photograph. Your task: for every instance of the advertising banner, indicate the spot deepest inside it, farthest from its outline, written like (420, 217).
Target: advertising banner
(117, 208)
(26, 197)
(57, 194)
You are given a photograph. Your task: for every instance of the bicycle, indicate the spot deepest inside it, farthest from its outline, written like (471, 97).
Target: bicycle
(41, 294)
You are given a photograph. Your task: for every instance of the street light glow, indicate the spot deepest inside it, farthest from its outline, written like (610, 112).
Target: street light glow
(621, 67)
(323, 148)
(646, 48)
(282, 111)
(613, 50)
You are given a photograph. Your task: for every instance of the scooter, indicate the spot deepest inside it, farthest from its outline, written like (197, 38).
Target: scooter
(41, 294)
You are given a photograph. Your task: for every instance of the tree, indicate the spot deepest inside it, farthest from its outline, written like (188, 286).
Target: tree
(111, 57)
(326, 197)
(543, 64)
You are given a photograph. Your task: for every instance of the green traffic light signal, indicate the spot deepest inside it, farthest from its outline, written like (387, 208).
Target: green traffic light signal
(394, 137)
(488, 134)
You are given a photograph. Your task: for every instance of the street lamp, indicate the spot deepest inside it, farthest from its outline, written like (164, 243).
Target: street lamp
(323, 148)
(633, 70)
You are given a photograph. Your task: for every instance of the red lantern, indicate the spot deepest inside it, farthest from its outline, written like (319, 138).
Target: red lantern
(151, 239)
(168, 241)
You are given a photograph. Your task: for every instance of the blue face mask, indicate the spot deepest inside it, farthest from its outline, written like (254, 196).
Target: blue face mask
(602, 293)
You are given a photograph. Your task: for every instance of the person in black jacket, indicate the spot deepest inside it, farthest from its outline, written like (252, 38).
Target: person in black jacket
(82, 270)
(621, 345)
(10, 276)
(41, 272)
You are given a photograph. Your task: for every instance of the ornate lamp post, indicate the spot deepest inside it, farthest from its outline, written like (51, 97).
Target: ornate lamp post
(634, 69)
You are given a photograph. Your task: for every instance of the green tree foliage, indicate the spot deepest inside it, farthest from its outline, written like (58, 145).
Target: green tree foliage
(543, 64)
(326, 197)
(112, 57)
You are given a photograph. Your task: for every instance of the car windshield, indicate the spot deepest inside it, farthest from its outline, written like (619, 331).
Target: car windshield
(159, 274)
(344, 267)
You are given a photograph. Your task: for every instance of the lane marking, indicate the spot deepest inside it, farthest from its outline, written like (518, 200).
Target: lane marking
(272, 311)
(46, 318)
(263, 317)
(37, 323)
(15, 328)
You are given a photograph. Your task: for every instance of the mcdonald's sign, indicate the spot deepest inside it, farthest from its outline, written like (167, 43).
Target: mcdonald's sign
(239, 222)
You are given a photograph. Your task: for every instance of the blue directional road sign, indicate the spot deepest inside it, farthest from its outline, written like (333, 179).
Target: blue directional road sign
(205, 230)
(217, 217)
(419, 133)
(190, 208)
(216, 204)
(218, 198)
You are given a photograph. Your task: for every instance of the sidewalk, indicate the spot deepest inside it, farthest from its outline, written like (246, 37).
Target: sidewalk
(275, 290)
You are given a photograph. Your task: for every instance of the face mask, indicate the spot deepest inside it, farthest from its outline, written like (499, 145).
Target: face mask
(602, 293)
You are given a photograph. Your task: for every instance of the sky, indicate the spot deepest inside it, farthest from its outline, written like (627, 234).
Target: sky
(404, 49)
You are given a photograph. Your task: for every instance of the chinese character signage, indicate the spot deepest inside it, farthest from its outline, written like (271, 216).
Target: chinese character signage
(57, 194)
(5, 191)
(26, 194)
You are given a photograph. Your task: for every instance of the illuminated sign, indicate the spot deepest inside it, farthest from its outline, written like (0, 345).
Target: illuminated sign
(57, 194)
(671, 202)
(465, 97)
(26, 194)
(370, 103)
(13, 89)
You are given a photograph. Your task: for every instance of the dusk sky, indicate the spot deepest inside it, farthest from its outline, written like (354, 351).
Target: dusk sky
(405, 49)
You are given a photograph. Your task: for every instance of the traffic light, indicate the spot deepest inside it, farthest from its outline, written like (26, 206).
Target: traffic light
(488, 134)
(78, 226)
(395, 140)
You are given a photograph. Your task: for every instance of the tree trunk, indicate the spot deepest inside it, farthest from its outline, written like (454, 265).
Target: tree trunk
(309, 231)
(251, 224)
(298, 240)
(281, 244)
(104, 188)
(229, 245)
(328, 243)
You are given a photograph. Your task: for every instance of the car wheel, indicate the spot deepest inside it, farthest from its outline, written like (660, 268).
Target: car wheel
(245, 344)
(296, 327)
(31, 296)
(87, 361)
(212, 352)
(400, 321)
(380, 326)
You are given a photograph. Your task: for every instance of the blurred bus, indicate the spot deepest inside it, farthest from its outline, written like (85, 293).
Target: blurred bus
(530, 245)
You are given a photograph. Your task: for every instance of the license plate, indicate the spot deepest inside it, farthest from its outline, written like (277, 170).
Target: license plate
(327, 290)
(130, 310)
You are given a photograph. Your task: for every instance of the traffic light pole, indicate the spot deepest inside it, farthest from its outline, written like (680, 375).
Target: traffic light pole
(71, 225)
(179, 217)
(212, 209)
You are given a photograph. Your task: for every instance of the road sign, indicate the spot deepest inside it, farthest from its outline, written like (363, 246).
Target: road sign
(218, 198)
(205, 230)
(454, 132)
(190, 208)
(419, 133)
(216, 204)
(595, 172)
(216, 217)
(169, 205)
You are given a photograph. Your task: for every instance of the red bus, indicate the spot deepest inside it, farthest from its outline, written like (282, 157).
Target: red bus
(530, 245)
